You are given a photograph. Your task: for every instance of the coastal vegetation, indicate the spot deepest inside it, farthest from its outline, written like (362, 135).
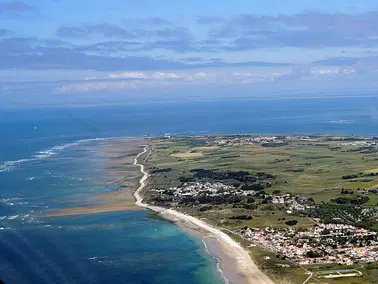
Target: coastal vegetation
(239, 182)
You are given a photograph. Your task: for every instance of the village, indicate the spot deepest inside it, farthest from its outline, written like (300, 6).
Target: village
(359, 143)
(197, 188)
(281, 140)
(247, 140)
(194, 189)
(321, 244)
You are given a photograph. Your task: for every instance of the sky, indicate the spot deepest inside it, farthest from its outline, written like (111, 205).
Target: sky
(69, 51)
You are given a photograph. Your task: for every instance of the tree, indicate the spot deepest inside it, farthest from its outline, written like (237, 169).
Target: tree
(250, 206)
(254, 186)
(311, 200)
(250, 200)
(312, 254)
(291, 222)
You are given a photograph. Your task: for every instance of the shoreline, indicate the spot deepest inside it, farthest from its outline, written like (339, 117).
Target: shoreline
(217, 260)
(118, 181)
(231, 255)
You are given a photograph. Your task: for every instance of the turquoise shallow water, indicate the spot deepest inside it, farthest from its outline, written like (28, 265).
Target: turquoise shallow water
(120, 247)
(47, 161)
(110, 248)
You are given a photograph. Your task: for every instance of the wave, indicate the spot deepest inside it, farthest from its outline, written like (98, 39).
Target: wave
(217, 262)
(10, 165)
(21, 203)
(97, 139)
(10, 199)
(341, 121)
(54, 150)
(12, 217)
(44, 154)
(101, 260)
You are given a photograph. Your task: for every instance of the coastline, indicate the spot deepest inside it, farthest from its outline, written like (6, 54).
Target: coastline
(233, 261)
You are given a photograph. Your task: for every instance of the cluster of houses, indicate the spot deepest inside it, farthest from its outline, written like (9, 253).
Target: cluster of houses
(258, 140)
(252, 140)
(194, 189)
(358, 143)
(323, 243)
(246, 140)
(294, 202)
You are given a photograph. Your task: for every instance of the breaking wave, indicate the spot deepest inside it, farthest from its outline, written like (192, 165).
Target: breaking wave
(44, 154)
(10, 165)
(341, 121)
(4, 228)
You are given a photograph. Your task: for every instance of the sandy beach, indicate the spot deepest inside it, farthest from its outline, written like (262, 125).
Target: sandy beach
(235, 262)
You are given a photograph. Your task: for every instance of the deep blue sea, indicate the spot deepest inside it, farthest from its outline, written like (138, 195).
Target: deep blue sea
(48, 159)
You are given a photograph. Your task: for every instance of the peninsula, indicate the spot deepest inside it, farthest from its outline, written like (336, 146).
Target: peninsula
(288, 209)
(272, 209)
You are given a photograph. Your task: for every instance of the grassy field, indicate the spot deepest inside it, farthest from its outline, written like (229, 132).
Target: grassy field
(309, 169)
(369, 273)
(262, 218)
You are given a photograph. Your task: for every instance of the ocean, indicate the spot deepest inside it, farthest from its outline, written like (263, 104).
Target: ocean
(48, 159)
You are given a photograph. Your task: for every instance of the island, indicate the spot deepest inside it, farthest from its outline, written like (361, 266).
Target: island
(304, 207)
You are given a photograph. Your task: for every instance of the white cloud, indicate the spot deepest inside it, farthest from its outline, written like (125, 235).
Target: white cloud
(306, 72)
(94, 87)
(332, 71)
(151, 80)
(162, 75)
(248, 77)
(132, 80)
(154, 76)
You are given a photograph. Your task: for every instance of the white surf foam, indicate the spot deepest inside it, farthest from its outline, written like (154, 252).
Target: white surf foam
(217, 261)
(21, 203)
(54, 150)
(341, 121)
(12, 217)
(10, 165)
(15, 201)
(9, 200)
(44, 154)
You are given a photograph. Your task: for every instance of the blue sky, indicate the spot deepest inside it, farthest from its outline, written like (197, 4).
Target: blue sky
(69, 50)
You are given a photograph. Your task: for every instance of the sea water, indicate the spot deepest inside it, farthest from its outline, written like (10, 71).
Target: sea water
(119, 247)
(48, 160)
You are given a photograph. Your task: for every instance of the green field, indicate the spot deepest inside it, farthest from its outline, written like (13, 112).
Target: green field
(309, 169)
